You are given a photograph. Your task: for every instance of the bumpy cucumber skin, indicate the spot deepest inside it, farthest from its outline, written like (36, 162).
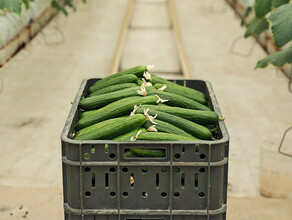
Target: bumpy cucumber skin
(97, 126)
(127, 136)
(194, 129)
(162, 126)
(98, 101)
(112, 88)
(183, 91)
(159, 80)
(138, 71)
(108, 131)
(156, 79)
(117, 80)
(179, 101)
(160, 136)
(143, 152)
(115, 109)
(198, 116)
(86, 113)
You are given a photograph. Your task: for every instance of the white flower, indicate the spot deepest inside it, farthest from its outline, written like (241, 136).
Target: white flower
(146, 83)
(162, 88)
(160, 100)
(138, 133)
(143, 91)
(152, 128)
(149, 117)
(134, 110)
(149, 67)
(147, 76)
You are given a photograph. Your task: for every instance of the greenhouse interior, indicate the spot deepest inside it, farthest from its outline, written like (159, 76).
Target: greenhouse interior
(146, 109)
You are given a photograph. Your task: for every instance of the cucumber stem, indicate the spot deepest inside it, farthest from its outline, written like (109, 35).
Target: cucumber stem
(221, 119)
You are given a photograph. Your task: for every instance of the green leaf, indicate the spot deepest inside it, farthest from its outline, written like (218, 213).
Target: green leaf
(281, 20)
(262, 7)
(26, 3)
(256, 26)
(11, 5)
(246, 14)
(55, 4)
(84, 1)
(70, 4)
(278, 3)
(277, 59)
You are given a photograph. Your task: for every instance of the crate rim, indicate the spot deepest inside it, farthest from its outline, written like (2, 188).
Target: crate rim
(74, 211)
(74, 108)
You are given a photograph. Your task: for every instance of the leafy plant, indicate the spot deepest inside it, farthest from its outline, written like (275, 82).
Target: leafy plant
(11, 5)
(16, 5)
(277, 16)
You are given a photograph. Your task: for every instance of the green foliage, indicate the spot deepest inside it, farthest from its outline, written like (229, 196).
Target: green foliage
(70, 4)
(62, 7)
(57, 5)
(15, 5)
(281, 20)
(256, 26)
(11, 5)
(277, 59)
(262, 7)
(246, 14)
(279, 14)
(26, 3)
(278, 3)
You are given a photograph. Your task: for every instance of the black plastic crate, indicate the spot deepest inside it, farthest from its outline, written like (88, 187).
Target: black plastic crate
(189, 183)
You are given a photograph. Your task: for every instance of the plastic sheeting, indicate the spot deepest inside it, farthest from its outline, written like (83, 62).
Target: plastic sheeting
(11, 24)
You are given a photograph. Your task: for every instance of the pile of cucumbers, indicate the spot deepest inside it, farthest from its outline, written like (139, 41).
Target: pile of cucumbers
(135, 105)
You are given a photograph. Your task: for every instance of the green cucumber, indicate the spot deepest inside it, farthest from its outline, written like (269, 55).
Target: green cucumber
(98, 101)
(158, 80)
(138, 71)
(140, 82)
(129, 154)
(183, 91)
(127, 136)
(198, 116)
(179, 101)
(117, 80)
(111, 128)
(162, 104)
(160, 136)
(112, 88)
(192, 128)
(143, 152)
(115, 109)
(162, 126)
(94, 127)
(86, 113)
